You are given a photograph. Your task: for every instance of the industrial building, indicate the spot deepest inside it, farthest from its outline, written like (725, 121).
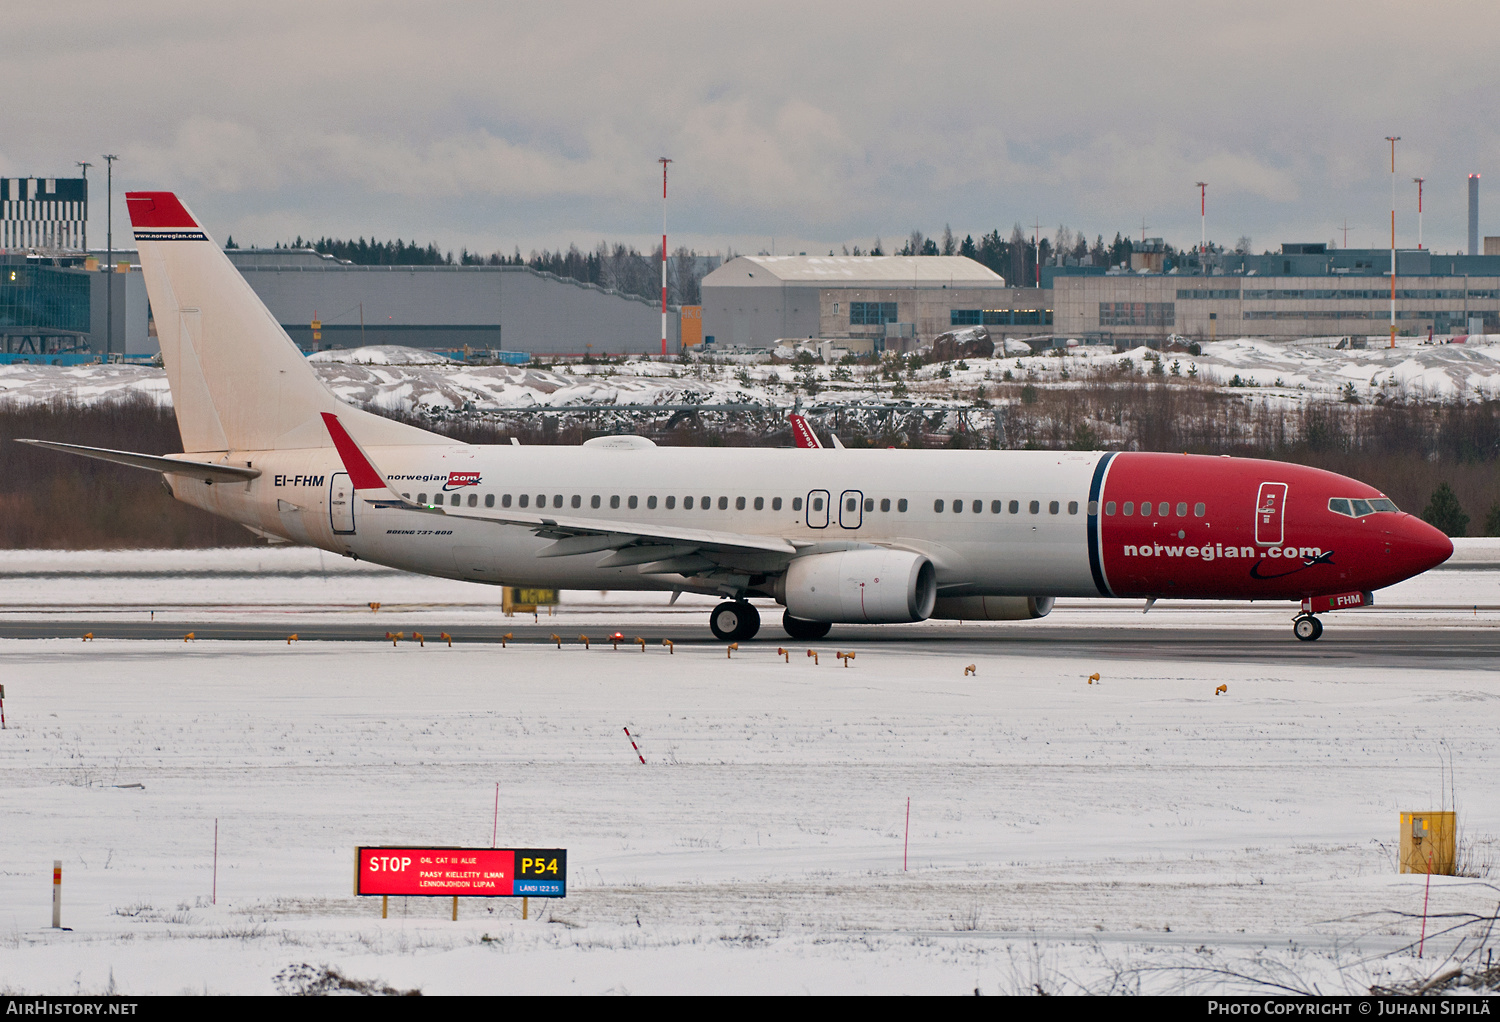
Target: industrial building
(866, 303)
(448, 308)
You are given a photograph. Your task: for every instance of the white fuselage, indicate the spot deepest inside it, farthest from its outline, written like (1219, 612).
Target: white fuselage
(1035, 544)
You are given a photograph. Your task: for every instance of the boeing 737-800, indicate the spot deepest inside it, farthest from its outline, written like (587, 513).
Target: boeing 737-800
(834, 535)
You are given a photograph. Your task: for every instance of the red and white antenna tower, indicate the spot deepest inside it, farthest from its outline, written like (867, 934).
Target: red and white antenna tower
(1203, 225)
(1393, 139)
(663, 161)
(1418, 182)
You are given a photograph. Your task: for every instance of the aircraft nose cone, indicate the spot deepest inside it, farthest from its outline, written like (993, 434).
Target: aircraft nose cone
(1424, 546)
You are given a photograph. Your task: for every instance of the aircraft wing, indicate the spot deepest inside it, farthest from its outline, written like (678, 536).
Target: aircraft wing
(653, 548)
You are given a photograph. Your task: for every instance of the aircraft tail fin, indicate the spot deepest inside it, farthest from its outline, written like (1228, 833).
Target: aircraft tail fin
(238, 381)
(803, 433)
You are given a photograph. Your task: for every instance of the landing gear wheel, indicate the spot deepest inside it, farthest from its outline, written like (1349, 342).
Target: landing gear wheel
(734, 621)
(1307, 628)
(800, 629)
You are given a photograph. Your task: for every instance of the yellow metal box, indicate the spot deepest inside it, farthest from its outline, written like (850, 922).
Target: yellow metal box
(1428, 842)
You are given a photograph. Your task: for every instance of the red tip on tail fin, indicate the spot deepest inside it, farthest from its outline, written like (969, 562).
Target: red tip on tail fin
(803, 433)
(157, 209)
(361, 473)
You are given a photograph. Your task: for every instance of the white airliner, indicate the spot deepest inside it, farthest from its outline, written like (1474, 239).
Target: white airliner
(834, 535)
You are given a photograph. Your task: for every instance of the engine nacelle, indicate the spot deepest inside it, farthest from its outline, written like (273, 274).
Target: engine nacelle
(868, 586)
(993, 608)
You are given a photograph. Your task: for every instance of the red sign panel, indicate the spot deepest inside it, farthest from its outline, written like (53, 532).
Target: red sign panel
(468, 872)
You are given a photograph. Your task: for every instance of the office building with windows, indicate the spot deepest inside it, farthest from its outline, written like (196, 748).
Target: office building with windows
(1304, 290)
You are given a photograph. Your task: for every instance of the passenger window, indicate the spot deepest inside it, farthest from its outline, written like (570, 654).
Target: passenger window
(489, 500)
(978, 506)
(724, 503)
(1053, 508)
(958, 506)
(505, 500)
(707, 503)
(577, 500)
(901, 504)
(421, 498)
(687, 503)
(614, 501)
(1015, 507)
(525, 499)
(1073, 508)
(1199, 509)
(1129, 508)
(775, 503)
(1361, 508)
(1163, 508)
(650, 502)
(1109, 508)
(473, 500)
(541, 500)
(739, 503)
(817, 504)
(995, 506)
(796, 503)
(633, 501)
(1036, 507)
(594, 501)
(671, 503)
(869, 503)
(1181, 510)
(760, 503)
(885, 503)
(851, 504)
(937, 506)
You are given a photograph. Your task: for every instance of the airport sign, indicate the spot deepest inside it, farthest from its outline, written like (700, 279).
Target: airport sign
(466, 872)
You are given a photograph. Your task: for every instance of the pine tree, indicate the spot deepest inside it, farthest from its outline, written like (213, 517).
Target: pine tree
(1445, 513)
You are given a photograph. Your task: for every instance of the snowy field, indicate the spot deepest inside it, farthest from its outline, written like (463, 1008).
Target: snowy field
(400, 378)
(1137, 834)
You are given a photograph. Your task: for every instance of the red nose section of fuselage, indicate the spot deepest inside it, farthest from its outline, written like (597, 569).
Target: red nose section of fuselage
(1231, 528)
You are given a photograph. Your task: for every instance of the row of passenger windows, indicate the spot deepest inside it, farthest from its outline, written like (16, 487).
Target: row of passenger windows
(1164, 509)
(633, 502)
(999, 507)
(1356, 508)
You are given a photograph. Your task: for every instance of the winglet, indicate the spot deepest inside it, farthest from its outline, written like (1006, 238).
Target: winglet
(803, 432)
(361, 473)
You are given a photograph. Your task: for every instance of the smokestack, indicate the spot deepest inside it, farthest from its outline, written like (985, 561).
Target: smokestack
(1473, 214)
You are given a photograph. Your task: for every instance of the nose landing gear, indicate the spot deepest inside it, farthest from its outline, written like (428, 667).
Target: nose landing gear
(734, 621)
(1306, 627)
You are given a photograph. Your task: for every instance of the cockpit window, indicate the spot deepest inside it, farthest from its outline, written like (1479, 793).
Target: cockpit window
(1355, 507)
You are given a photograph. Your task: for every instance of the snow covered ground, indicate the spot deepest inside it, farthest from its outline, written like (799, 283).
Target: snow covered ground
(395, 378)
(1141, 833)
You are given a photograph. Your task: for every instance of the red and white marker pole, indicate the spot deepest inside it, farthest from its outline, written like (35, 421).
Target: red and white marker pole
(57, 894)
(637, 748)
(906, 844)
(2, 707)
(213, 895)
(663, 161)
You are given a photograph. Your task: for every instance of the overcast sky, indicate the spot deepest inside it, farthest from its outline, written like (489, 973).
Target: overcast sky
(493, 126)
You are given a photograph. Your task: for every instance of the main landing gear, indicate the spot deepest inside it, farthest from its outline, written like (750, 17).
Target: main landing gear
(734, 621)
(1306, 627)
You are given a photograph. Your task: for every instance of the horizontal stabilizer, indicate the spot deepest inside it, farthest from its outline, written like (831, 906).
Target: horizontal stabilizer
(155, 462)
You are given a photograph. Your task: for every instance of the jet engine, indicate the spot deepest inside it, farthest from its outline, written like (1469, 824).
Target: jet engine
(864, 586)
(993, 608)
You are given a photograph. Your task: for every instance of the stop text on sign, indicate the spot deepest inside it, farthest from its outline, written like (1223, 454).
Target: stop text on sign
(466, 872)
